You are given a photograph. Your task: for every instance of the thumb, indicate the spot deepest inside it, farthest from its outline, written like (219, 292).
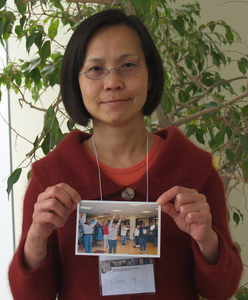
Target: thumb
(170, 210)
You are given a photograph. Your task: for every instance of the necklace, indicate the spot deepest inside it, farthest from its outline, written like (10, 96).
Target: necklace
(99, 170)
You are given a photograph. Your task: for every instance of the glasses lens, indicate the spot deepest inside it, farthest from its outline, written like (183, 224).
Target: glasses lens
(95, 73)
(128, 69)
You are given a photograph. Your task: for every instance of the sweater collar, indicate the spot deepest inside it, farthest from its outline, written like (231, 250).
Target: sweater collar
(180, 163)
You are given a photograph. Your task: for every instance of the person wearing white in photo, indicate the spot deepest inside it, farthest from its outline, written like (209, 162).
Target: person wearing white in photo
(113, 234)
(88, 231)
(136, 236)
(155, 235)
(124, 230)
(80, 232)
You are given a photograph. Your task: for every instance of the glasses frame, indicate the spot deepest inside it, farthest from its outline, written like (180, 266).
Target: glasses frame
(107, 71)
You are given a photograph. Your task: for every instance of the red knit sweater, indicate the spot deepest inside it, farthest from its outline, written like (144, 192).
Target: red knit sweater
(181, 272)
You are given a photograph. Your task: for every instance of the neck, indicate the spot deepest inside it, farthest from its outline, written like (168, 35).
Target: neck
(120, 147)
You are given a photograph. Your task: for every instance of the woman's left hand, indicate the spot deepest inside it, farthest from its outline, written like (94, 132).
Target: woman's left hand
(191, 213)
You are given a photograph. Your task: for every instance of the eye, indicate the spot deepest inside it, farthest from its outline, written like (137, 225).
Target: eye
(128, 65)
(95, 69)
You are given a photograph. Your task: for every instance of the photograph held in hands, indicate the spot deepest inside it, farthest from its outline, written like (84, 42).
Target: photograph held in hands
(113, 227)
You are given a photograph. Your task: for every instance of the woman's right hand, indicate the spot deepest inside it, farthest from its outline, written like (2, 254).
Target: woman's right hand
(51, 211)
(53, 208)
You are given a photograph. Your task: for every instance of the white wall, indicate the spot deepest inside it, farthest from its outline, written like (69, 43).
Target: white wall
(6, 224)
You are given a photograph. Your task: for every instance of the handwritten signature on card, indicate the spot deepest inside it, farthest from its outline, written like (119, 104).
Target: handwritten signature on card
(122, 281)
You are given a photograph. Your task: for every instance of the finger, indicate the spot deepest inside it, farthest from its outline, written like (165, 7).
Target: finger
(58, 193)
(62, 192)
(45, 218)
(71, 191)
(51, 205)
(188, 198)
(172, 193)
(192, 208)
(170, 210)
(201, 218)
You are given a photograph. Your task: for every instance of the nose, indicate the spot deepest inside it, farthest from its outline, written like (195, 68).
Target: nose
(113, 80)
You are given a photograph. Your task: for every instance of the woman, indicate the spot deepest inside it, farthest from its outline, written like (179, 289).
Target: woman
(124, 230)
(88, 234)
(112, 240)
(136, 237)
(105, 234)
(143, 234)
(99, 230)
(80, 232)
(112, 73)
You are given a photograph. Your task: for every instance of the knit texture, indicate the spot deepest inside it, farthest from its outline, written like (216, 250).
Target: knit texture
(181, 272)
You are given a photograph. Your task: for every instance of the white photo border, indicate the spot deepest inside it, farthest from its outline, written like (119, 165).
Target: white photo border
(114, 203)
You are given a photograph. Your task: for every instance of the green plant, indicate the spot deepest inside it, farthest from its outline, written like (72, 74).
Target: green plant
(197, 95)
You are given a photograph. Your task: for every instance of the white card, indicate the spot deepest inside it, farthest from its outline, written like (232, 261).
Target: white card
(126, 275)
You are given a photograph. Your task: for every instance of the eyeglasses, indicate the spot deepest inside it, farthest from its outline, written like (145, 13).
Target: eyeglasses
(127, 69)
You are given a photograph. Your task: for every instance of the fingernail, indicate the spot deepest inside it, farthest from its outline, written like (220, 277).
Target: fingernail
(159, 201)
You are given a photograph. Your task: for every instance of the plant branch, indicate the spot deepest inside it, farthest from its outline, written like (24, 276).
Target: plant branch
(208, 89)
(241, 1)
(129, 7)
(23, 137)
(23, 98)
(209, 110)
(235, 177)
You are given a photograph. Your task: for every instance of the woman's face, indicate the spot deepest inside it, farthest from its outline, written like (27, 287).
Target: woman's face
(114, 99)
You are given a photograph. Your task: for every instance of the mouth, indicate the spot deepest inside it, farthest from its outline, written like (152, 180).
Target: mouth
(116, 101)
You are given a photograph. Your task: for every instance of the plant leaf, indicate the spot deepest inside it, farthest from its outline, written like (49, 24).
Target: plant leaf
(53, 28)
(244, 143)
(2, 3)
(166, 103)
(242, 68)
(245, 110)
(220, 137)
(236, 218)
(14, 177)
(229, 155)
(199, 136)
(190, 129)
(45, 51)
(178, 27)
(145, 5)
(216, 162)
(234, 117)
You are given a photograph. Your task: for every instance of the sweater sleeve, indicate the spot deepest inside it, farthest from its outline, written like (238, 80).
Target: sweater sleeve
(118, 224)
(110, 224)
(39, 283)
(219, 281)
(93, 224)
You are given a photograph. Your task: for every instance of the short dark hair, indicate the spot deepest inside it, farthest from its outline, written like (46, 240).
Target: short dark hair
(75, 55)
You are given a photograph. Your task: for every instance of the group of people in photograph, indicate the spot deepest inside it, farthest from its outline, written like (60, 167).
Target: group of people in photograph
(102, 233)
(144, 234)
